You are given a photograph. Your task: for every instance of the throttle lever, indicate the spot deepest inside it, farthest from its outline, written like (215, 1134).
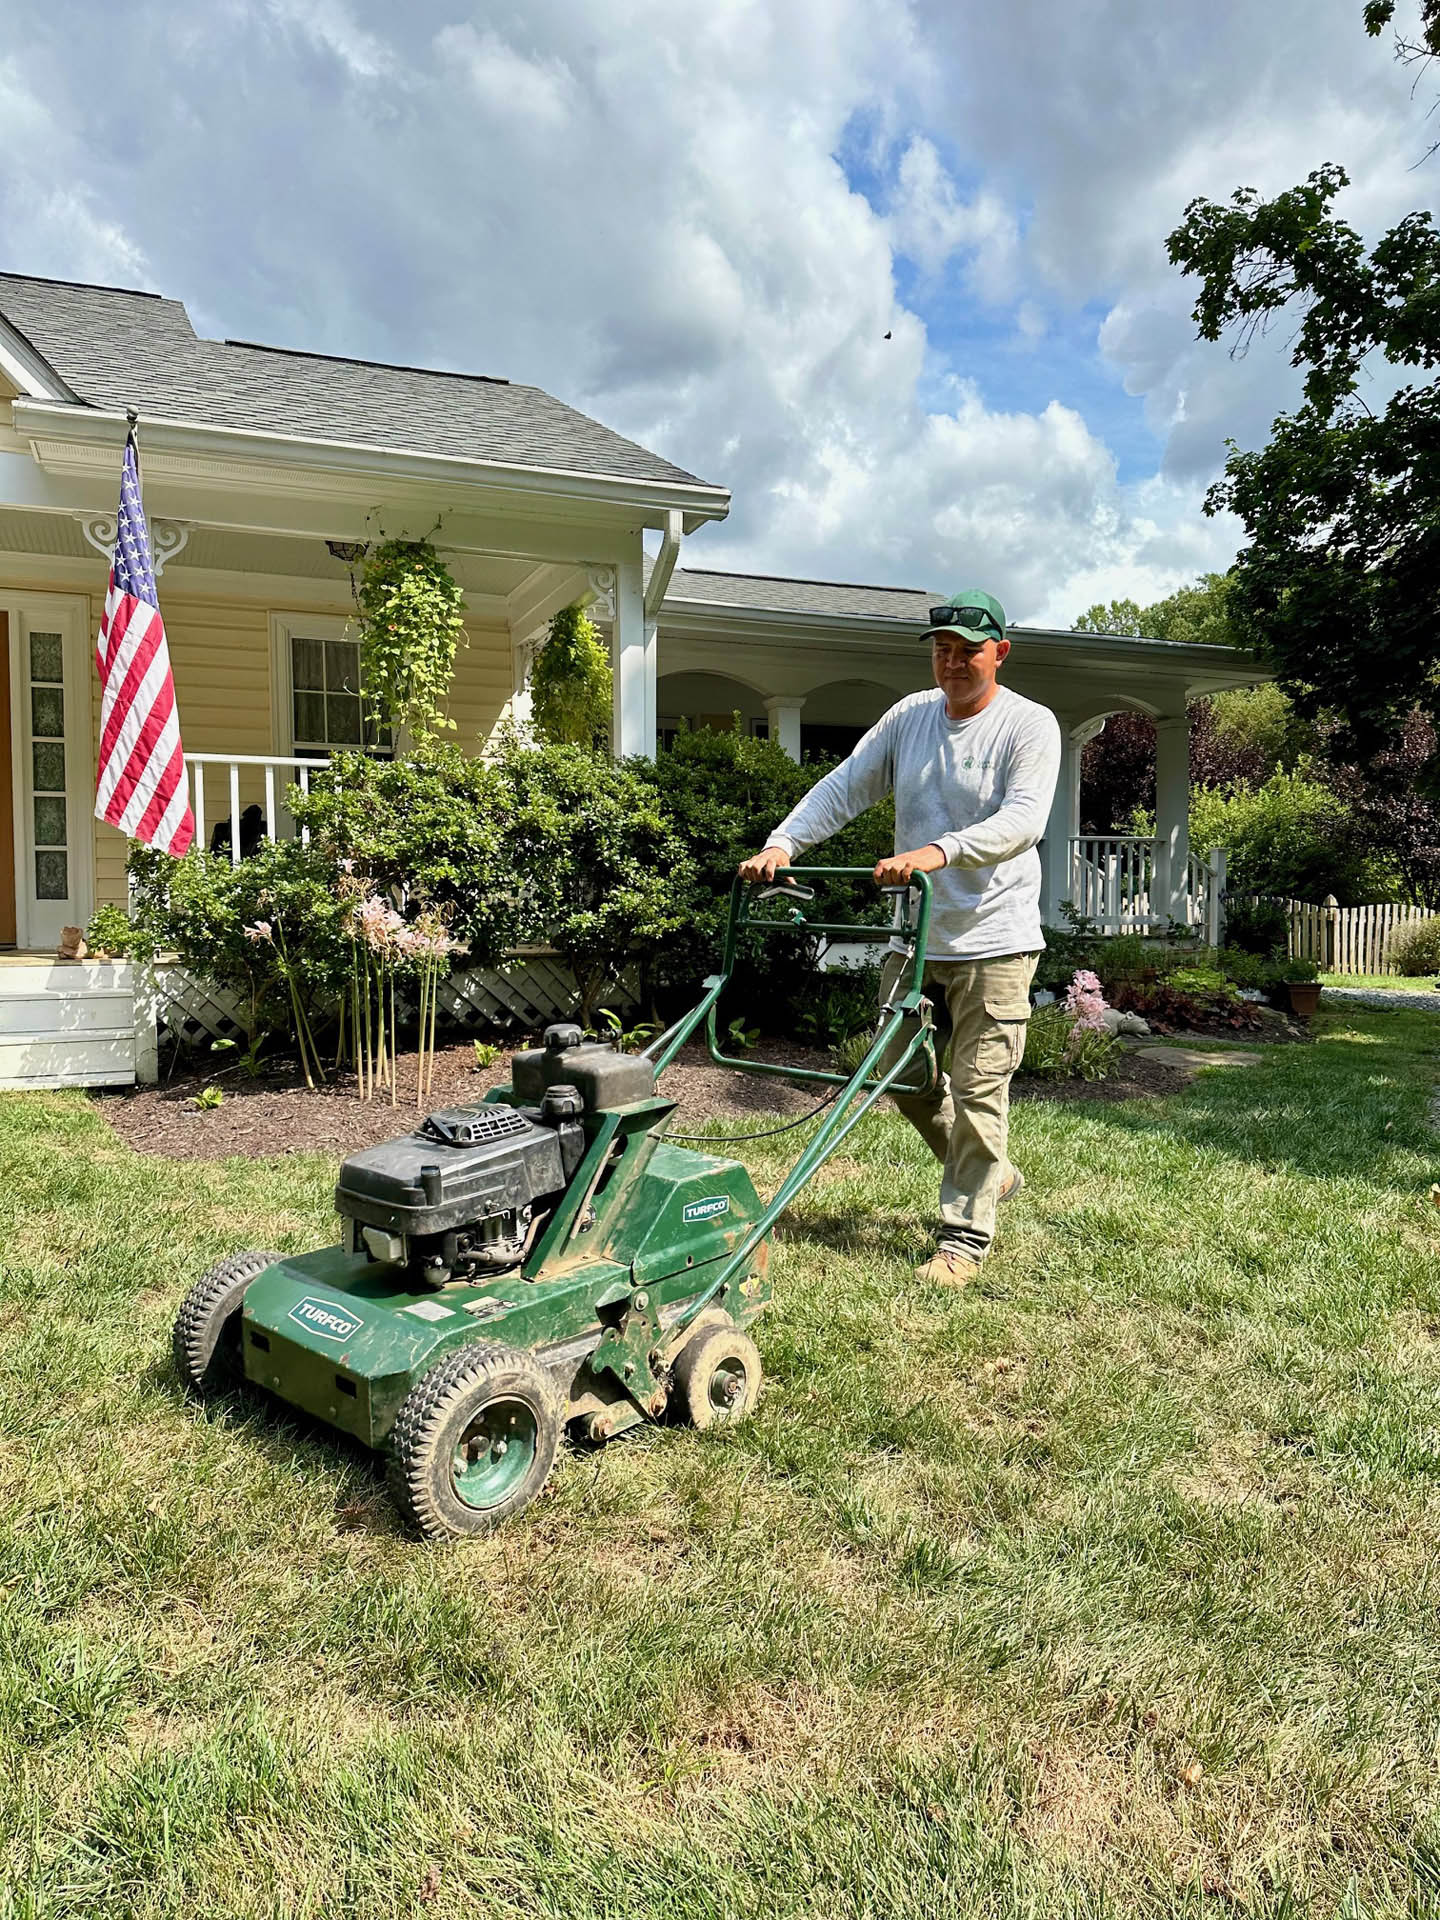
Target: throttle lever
(786, 890)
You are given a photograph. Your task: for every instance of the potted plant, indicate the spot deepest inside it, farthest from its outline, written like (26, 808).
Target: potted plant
(1300, 982)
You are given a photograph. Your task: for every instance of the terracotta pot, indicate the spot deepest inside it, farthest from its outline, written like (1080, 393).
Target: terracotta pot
(1304, 997)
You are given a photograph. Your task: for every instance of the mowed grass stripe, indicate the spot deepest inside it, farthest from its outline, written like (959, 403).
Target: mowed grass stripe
(1105, 1588)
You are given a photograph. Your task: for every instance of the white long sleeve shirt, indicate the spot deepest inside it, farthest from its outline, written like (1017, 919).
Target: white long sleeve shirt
(979, 788)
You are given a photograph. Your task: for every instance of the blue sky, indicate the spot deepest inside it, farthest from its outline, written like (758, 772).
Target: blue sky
(699, 225)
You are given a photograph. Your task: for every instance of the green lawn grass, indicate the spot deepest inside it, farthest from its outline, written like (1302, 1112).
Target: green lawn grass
(1398, 982)
(1108, 1588)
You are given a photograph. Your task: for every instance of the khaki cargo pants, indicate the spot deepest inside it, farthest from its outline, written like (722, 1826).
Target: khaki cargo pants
(981, 1007)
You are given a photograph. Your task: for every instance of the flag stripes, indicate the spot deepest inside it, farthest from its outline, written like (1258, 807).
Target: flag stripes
(140, 783)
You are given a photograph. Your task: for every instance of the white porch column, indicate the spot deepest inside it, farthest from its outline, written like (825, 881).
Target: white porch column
(1056, 880)
(783, 712)
(632, 727)
(1172, 815)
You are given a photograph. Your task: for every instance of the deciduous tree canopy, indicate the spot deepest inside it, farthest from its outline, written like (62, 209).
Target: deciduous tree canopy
(1340, 579)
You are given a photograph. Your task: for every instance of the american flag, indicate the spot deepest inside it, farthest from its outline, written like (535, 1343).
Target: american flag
(141, 787)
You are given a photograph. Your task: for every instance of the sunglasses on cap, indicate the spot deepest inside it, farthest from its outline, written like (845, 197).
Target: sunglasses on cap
(966, 617)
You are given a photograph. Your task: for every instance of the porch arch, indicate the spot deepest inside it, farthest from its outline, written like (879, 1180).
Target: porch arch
(703, 699)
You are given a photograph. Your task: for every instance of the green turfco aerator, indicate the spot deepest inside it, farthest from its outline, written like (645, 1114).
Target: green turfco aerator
(543, 1258)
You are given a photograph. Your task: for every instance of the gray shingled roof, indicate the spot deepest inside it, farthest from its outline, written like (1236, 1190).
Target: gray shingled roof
(773, 594)
(116, 349)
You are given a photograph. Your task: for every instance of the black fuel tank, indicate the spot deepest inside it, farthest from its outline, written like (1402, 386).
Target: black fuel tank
(604, 1077)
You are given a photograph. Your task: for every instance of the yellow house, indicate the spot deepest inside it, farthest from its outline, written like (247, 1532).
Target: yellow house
(265, 473)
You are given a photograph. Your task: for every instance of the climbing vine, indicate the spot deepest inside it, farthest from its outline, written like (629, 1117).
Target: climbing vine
(411, 619)
(570, 684)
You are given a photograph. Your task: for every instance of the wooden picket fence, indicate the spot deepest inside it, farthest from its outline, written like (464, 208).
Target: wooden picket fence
(1345, 939)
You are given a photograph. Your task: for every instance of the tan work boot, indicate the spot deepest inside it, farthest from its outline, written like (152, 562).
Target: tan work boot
(1014, 1181)
(948, 1267)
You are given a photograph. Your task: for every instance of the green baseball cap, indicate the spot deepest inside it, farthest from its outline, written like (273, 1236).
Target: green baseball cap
(975, 615)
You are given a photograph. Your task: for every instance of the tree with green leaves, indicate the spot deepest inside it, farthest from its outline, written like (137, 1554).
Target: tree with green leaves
(1339, 582)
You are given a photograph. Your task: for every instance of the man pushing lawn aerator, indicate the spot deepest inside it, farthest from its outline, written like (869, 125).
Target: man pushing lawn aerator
(548, 1258)
(973, 769)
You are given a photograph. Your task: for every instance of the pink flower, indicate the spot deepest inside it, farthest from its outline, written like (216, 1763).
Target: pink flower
(262, 930)
(1085, 1001)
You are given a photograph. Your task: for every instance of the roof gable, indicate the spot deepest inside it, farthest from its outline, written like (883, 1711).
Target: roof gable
(115, 348)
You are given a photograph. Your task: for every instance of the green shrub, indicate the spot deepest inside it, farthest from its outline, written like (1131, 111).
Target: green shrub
(432, 825)
(1416, 949)
(200, 908)
(1200, 980)
(596, 865)
(1246, 969)
(1118, 958)
(110, 932)
(1258, 926)
(1292, 836)
(724, 793)
(840, 1006)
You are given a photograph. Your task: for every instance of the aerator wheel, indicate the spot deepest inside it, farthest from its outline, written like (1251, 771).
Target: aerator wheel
(717, 1377)
(473, 1442)
(206, 1336)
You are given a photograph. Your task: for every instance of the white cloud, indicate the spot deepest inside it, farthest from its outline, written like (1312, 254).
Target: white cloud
(930, 223)
(330, 27)
(505, 82)
(641, 209)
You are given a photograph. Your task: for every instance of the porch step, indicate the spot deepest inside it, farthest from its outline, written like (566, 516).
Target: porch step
(66, 1023)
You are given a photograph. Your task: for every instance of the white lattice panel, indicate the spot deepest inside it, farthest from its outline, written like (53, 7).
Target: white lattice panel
(534, 989)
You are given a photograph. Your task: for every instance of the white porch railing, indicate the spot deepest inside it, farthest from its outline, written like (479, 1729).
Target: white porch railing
(247, 779)
(1112, 882)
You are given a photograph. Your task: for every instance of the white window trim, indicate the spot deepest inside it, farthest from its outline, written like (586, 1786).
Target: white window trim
(69, 615)
(284, 628)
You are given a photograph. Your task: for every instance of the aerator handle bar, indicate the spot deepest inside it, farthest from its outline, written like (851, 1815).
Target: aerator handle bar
(860, 1090)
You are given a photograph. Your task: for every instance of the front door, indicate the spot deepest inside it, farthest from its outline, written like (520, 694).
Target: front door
(49, 738)
(7, 797)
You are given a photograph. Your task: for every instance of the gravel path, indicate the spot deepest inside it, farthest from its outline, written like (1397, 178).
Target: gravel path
(1381, 997)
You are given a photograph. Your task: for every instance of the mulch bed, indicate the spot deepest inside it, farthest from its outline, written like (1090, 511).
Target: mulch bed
(1135, 1079)
(276, 1114)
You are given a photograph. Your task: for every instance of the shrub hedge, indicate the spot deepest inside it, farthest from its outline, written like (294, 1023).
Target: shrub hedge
(612, 864)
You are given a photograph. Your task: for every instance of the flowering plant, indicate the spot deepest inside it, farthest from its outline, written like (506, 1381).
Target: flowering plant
(1085, 1002)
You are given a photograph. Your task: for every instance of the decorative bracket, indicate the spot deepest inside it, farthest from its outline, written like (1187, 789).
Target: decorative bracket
(526, 652)
(600, 592)
(167, 537)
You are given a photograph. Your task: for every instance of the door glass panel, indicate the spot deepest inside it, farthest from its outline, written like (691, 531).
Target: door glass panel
(49, 766)
(47, 657)
(49, 820)
(47, 713)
